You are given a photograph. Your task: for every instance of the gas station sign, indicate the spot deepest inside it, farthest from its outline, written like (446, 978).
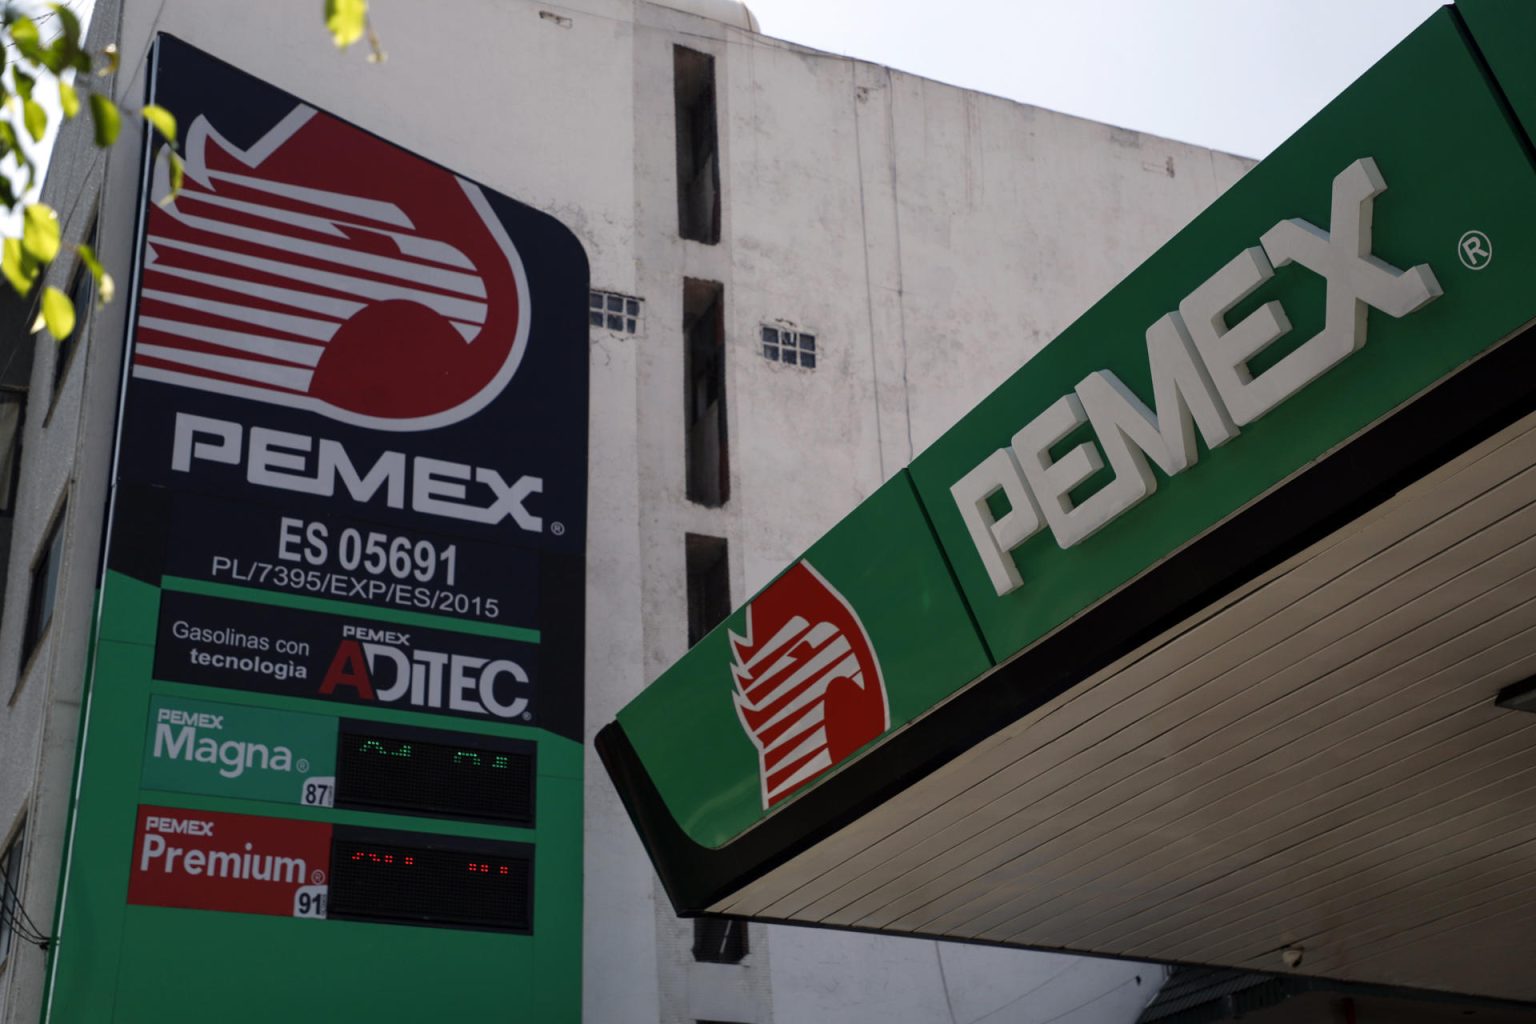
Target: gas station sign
(350, 480)
(229, 750)
(1171, 443)
(206, 860)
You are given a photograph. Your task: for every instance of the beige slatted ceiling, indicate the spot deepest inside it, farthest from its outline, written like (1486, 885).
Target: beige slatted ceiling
(1317, 761)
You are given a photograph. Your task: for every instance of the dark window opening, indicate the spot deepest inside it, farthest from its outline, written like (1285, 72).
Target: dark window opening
(44, 588)
(698, 156)
(13, 414)
(81, 292)
(709, 585)
(719, 940)
(709, 464)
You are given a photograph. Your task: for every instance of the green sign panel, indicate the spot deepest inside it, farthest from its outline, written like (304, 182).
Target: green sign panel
(1330, 287)
(1504, 32)
(203, 746)
(1385, 247)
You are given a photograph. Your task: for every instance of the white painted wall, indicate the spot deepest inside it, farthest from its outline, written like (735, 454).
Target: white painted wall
(933, 239)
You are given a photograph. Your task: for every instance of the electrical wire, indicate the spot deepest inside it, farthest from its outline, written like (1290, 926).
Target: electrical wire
(16, 901)
(22, 928)
(16, 916)
(13, 914)
(16, 926)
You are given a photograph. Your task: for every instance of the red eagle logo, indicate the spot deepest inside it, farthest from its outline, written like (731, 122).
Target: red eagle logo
(808, 686)
(327, 270)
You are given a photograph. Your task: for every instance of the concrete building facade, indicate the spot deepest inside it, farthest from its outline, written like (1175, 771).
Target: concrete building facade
(809, 268)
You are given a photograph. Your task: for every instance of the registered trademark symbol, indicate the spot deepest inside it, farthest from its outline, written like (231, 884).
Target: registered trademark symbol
(558, 529)
(317, 876)
(1475, 250)
(303, 765)
(527, 716)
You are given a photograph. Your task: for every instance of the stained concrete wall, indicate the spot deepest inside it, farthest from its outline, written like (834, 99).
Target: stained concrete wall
(933, 239)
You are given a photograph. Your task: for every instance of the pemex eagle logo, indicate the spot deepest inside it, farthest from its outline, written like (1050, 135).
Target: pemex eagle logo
(324, 269)
(808, 688)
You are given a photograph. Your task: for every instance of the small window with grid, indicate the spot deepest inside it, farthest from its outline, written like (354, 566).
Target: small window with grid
(784, 345)
(614, 311)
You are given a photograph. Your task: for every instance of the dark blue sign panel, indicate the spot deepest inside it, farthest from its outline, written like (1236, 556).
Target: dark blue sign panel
(356, 412)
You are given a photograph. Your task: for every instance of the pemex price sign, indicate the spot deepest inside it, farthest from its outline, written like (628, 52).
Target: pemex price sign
(350, 483)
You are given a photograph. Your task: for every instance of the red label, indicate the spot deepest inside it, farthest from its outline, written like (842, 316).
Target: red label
(209, 861)
(808, 686)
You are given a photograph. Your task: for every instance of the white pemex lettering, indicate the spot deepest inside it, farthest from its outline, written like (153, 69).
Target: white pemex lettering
(1198, 365)
(299, 462)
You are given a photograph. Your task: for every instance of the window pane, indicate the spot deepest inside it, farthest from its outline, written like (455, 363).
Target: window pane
(595, 319)
(11, 406)
(630, 325)
(807, 343)
(616, 303)
(632, 307)
(771, 352)
(596, 300)
(717, 941)
(44, 588)
(769, 334)
(615, 323)
(808, 360)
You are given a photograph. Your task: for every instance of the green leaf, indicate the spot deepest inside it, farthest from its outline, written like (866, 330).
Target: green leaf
(24, 36)
(69, 100)
(40, 232)
(56, 57)
(69, 22)
(24, 83)
(177, 172)
(17, 267)
(162, 119)
(346, 20)
(105, 287)
(58, 313)
(36, 119)
(108, 121)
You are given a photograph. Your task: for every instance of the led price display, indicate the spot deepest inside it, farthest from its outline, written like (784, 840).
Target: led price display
(431, 772)
(431, 880)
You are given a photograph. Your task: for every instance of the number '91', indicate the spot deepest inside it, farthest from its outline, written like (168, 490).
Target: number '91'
(377, 554)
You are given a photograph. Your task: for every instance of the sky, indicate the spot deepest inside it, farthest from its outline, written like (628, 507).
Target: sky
(1233, 75)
